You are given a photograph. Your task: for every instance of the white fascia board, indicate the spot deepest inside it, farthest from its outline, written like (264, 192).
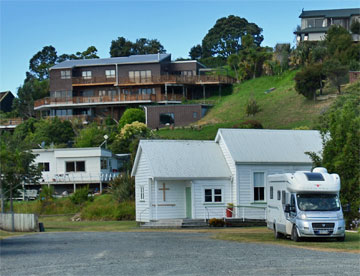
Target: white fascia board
(192, 178)
(136, 161)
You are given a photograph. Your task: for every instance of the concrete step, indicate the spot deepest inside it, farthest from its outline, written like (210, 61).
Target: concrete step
(194, 223)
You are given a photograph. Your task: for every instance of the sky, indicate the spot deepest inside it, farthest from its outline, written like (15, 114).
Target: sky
(72, 26)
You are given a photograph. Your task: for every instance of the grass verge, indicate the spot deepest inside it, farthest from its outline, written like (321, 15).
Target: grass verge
(264, 235)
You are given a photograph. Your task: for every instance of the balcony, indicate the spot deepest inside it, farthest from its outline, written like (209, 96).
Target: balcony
(155, 80)
(10, 123)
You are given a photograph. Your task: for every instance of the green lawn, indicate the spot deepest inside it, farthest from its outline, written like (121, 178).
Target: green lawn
(283, 108)
(64, 224)
(263, 235)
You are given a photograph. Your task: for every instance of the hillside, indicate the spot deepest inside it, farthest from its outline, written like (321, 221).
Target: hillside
(283, 108)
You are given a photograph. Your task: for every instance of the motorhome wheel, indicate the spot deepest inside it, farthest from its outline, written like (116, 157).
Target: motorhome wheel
(294, 234)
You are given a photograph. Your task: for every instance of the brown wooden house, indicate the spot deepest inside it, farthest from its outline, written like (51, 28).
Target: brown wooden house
(97, 88)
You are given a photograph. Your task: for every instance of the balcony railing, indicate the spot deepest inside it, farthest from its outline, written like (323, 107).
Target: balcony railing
(94, 100)
(11, 121)
(204, 79)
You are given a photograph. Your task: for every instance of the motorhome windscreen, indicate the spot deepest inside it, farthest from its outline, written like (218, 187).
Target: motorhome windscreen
(318, 202)
(314, 176)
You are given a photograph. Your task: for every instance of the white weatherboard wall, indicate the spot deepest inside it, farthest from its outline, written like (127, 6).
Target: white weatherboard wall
(174, 204)
(202, 210)
(246, 184)
(142, 178)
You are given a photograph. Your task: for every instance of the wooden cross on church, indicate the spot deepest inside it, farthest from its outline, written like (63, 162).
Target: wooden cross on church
(164, 189)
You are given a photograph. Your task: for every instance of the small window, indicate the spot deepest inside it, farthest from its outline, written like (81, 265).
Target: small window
(65, 74)
(213, 195)
(167, 118)
(259, 186)
(283, 196)
(195, 115)
(110, 73)
(86, 75)
(142, 193)
(278, 195)
(104, 164)
(75, 166)
(271, 192)
(44, 167)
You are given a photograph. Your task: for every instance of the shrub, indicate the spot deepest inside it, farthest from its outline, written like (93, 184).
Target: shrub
(122, 188)
(309, 80)
(131, 115)
(252, 107)
(46, 193)
(214, 222)
(80, 196)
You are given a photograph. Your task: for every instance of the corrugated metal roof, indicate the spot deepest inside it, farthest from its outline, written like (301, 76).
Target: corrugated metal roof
(271, 146)
(339, 13)
(176, 159)
(152, 58)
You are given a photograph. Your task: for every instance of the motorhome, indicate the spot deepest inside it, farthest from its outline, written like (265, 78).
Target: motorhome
(305, 204)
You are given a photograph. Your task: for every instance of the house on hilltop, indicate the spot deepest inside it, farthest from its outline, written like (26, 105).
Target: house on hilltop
(96, 88)
(6, 100)
(197, 179)
(315, 23)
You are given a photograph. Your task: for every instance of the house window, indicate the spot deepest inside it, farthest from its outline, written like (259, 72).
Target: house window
(104, 164)
(167, 118)
(142, 193)
(195, 115)
(86, 75)
(75, 166)
(110, 73)
(271, 192)
(44, 166)
(259, 186)
(213, 195)
(65, 74)
(140, 76)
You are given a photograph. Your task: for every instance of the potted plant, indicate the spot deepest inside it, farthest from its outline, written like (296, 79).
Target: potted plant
(229, 210)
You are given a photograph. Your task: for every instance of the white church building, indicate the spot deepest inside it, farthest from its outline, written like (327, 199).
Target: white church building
(178, 179)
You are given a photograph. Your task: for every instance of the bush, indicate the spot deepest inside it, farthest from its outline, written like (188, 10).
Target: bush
(131, 115)
(80, 196)
(214, 222)
(122, 188)
(104, 207)
(309, 80)
(46, 193)
(252, 107)
(249, 124)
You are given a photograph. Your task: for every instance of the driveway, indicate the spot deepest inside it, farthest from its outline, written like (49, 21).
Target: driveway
(161, 253)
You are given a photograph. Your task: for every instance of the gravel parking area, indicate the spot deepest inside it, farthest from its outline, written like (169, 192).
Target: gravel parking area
(162, 253)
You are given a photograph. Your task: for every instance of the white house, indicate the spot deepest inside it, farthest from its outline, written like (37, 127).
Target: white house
(67, 168)
(197, 179)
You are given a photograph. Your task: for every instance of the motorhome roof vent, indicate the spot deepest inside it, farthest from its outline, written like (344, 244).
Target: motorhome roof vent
(320, 170)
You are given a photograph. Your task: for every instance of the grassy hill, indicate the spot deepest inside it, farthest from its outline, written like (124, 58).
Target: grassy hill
(283, 108)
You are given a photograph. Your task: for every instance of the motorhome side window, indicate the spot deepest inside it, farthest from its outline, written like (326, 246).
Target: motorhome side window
(259, 186)
(283, 195)
(271, 192)
(292, 204)
(278, 195)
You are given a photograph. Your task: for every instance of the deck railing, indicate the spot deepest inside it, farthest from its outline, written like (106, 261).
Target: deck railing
(125, 81)
(10, 121)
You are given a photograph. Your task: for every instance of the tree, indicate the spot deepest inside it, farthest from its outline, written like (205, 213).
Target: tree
(225, 37)
(89, 53)
(122, 47)
(195, 52)
(32, 90)
(129, 136)
(233, 61)
(339, 44)
(52, 131)
(90, 136)
(308, 80)
(355, 27)
(42, 61)
(131, 115)
(17, 167)
(340, 129)
(336, 73)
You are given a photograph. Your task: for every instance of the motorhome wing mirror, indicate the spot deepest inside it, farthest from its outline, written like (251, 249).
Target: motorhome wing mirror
(346, 208)
(287, 208)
